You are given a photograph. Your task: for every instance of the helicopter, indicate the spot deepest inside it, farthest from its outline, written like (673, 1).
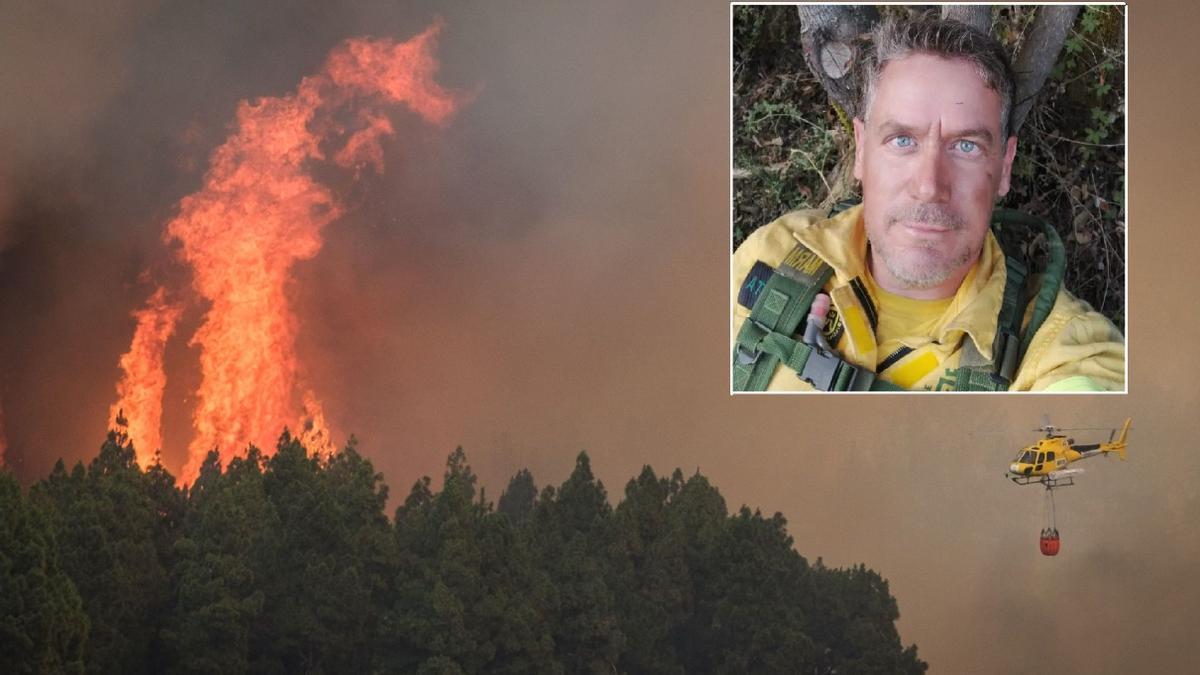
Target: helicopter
(1047, 460)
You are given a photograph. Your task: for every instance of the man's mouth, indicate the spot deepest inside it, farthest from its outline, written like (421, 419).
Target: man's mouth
(924, 227)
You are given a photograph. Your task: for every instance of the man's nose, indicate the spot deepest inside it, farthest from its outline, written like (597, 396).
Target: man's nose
(931, 181)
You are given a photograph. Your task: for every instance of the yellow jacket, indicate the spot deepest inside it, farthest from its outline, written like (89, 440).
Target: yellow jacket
(1076, 349)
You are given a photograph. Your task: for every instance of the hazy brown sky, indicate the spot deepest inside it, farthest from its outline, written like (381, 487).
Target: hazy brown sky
(548, 274)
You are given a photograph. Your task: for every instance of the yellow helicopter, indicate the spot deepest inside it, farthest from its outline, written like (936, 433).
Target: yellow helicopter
(1047, 460)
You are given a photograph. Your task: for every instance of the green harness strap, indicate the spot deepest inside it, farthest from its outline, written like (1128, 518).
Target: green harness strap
(765, 341)
(976, 373)
(1052, 276)
(826, 371)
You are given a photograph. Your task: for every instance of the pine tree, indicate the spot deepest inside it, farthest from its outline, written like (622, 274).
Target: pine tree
(573, 542)
(855, 615)
(467, 595)
(219, 600)
(43, 627)
(519, 499)
(322, 570)
(652, 573)
(752, 610)
(112, 528)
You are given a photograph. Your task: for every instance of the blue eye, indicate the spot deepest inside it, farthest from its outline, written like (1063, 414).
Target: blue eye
(904, 141)
(967, 146)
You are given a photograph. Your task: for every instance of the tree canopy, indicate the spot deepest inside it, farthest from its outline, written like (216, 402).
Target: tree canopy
(289, 563)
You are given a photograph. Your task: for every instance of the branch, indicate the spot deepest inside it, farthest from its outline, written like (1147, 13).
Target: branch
(1056, 137)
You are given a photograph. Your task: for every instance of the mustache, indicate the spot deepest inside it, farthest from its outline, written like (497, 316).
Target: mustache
(935, 215)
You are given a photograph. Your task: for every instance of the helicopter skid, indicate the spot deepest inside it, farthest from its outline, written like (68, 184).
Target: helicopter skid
(1050, 481)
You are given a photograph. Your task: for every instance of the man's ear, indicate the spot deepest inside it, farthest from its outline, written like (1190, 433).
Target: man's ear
(860, 134)
(1010, 151)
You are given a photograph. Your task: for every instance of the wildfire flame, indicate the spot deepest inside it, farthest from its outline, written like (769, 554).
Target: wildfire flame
(140, 390)
(257, 214)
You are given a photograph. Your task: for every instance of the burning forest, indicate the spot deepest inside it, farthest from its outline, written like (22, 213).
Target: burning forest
(259, 211)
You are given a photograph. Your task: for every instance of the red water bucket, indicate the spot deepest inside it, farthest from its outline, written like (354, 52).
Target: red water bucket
(1049, 543)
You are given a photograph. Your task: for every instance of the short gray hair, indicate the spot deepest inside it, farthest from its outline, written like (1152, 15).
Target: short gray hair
(896, 38)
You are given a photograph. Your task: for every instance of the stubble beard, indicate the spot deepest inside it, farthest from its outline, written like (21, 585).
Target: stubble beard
(922, 265)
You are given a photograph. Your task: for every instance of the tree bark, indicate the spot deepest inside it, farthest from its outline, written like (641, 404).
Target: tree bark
(978, 17)
(1037, 54)
(829, 36)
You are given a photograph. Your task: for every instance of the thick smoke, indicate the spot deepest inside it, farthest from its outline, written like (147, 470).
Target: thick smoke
(548, 274)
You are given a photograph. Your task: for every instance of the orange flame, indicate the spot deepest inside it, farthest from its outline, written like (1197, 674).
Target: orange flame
(258, 213)
(140, 391)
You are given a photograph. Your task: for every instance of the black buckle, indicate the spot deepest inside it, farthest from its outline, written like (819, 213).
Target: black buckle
(861, 380)
(745, 357)
(822, 368)
(742, 355)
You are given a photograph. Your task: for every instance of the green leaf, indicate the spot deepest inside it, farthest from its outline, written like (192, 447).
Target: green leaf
(1095, 135)
(1090, 21)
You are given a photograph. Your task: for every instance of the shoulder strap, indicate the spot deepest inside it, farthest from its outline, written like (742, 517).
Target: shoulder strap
(975, 373)
(1052, 275)
(766, 338)
(779, 309)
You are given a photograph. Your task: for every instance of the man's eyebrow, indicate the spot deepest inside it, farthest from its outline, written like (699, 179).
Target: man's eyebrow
(891, 126)
(981, 133)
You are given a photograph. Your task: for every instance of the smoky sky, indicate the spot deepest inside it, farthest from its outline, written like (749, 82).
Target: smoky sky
(547, 273)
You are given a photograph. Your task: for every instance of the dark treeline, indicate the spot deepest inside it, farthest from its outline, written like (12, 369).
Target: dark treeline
(289, 564)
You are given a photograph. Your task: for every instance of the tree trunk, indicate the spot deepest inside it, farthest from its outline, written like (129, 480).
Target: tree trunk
(1039, 50)
(978, 17)
(829, 36)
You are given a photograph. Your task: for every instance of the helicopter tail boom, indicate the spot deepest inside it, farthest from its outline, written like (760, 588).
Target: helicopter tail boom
(1118, 445)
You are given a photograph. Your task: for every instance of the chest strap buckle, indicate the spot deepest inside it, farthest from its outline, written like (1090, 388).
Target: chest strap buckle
(826, 371)
(745, 357)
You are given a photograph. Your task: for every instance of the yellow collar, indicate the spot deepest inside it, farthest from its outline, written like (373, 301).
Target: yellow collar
(841, 241)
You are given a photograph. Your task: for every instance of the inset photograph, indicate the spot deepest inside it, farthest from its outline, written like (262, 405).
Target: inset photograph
(928, 198)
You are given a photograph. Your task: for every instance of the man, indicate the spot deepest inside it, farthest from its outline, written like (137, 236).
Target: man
(922, 295)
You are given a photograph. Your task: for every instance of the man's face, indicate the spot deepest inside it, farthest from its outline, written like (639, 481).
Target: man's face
(932, 160)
